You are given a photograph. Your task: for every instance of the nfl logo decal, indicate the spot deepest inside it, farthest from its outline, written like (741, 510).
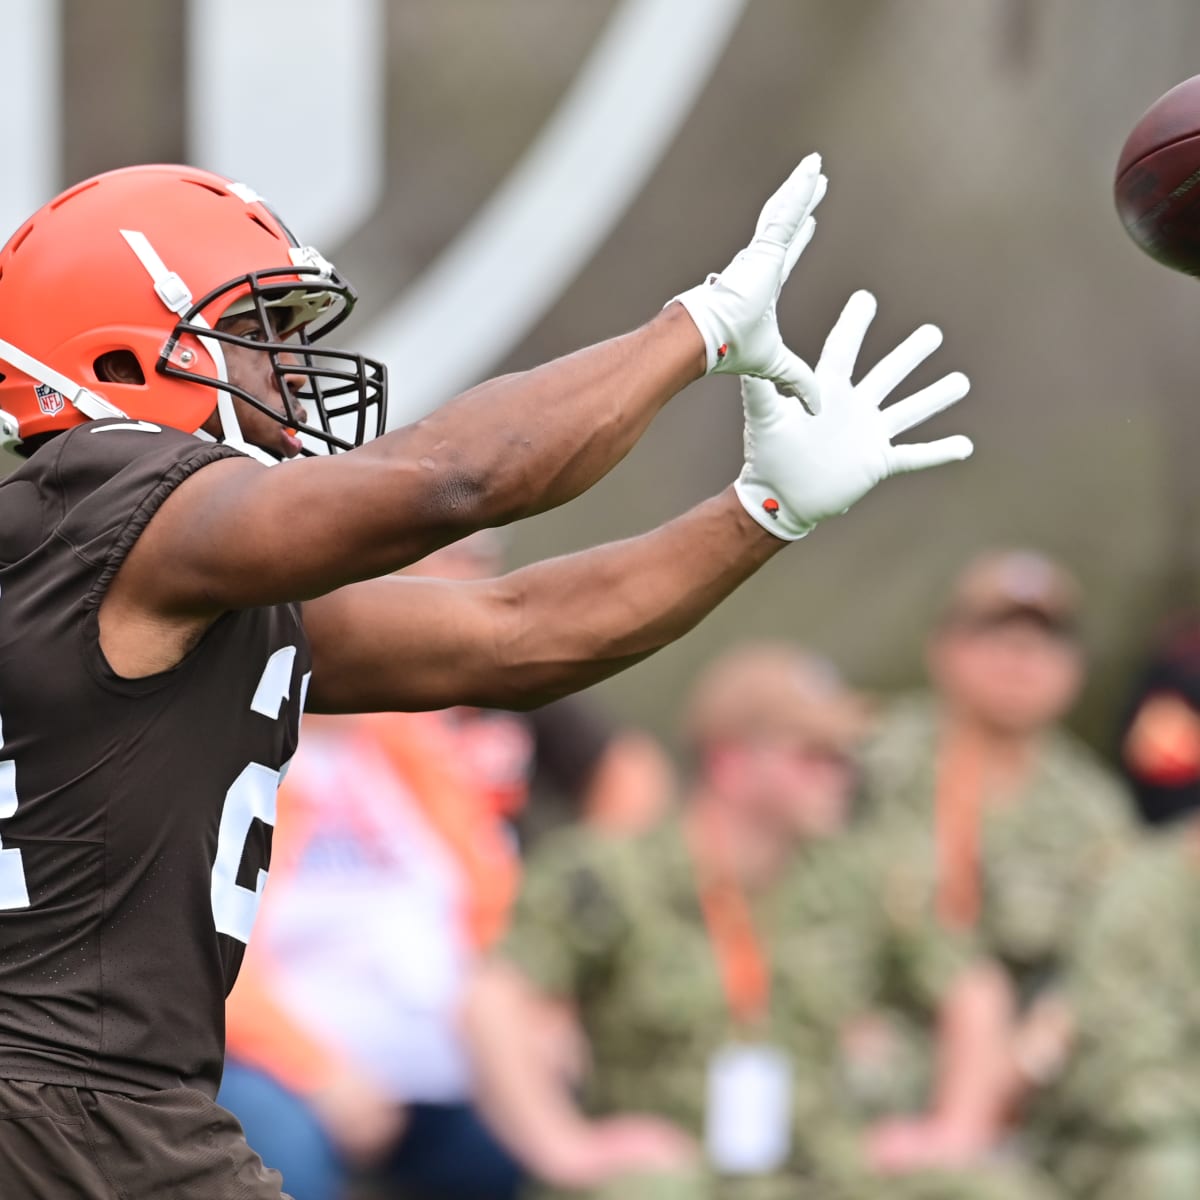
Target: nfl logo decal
(50, 401)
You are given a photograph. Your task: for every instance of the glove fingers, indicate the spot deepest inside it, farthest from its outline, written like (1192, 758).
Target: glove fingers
(782, 214)
(846, 337)
(881, 380)
(918, 456)
(760, 400)
(818, 193)
(794, 377)
(803, 234)
(802, 238)
(922, 405)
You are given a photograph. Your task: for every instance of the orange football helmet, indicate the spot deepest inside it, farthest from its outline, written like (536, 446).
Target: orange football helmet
(146, 260)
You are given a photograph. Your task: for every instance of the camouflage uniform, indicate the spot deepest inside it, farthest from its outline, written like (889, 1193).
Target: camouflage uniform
(617, 927)
(1127, 1111)
(1044, 852)
(1045, 855)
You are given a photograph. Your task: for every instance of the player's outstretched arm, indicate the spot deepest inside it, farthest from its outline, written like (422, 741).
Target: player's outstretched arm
(507, 449)
(535, 634)
(566, 623)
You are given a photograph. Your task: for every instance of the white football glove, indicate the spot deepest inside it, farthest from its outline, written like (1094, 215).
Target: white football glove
(735, 310)
(801, 468)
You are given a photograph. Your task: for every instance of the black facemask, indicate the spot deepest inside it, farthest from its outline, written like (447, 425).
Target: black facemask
(344, 394)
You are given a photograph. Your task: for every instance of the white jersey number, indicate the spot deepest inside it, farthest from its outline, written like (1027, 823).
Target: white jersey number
(252, 797)
(14, 893)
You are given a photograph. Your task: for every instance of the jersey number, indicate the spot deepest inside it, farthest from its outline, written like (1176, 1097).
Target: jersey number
(13, 891)
(251, 798)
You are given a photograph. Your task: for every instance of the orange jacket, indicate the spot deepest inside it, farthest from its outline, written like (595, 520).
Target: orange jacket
(432, 774)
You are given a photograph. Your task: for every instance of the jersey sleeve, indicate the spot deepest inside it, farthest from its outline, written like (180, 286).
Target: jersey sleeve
(570, 918)
(112, 477)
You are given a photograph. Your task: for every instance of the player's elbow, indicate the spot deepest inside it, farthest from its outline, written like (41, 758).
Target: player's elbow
(466, 482)
(458, 498)
(547, 642)
(523, 669)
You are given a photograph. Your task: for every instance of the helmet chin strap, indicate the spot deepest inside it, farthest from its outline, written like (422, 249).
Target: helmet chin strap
(177, 297)
(231, 427)
(92, 406)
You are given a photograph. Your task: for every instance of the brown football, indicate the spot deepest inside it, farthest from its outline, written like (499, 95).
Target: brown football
(1158, 179)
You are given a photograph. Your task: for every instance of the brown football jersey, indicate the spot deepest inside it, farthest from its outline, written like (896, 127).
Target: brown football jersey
(135, 814)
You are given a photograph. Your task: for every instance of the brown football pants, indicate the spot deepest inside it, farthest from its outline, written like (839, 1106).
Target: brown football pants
(64, 1143)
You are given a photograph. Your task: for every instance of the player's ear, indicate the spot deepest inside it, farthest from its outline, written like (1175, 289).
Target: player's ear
(119, 366)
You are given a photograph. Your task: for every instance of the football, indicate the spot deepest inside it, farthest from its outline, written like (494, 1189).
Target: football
(1158, 179)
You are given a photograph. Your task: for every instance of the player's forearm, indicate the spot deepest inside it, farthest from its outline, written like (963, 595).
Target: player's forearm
(524, 443)
(535, 634)
(579, 619)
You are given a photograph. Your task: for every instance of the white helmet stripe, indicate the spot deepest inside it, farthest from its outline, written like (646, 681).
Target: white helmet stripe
(171, 289)
(177, 296)
(88, 403)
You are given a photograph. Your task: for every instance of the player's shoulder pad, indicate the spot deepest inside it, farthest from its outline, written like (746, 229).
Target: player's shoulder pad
(111, 472)
(107, 446)
(98, 452)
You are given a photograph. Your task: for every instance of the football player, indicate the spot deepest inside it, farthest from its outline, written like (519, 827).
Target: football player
(173, 595)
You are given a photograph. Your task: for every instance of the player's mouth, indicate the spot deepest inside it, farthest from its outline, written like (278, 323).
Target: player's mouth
(289, 439)
(289, 442)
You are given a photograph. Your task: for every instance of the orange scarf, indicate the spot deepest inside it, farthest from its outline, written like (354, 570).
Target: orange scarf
(741, 958)
(958, 805)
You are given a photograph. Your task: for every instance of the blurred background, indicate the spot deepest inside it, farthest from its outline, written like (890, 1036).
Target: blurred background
(506, 182)
(970, 150)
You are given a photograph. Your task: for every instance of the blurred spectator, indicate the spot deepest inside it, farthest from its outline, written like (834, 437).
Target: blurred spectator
(1126, 1114)
(1160, 732)
(394, 864)
(562, 762)
(582, 769)
(717, 966)
(1015, 821)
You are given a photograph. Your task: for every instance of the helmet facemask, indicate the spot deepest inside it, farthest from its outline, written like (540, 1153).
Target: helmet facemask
(333, 399)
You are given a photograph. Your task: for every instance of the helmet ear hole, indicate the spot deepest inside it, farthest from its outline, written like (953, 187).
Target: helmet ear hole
(119, 366)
